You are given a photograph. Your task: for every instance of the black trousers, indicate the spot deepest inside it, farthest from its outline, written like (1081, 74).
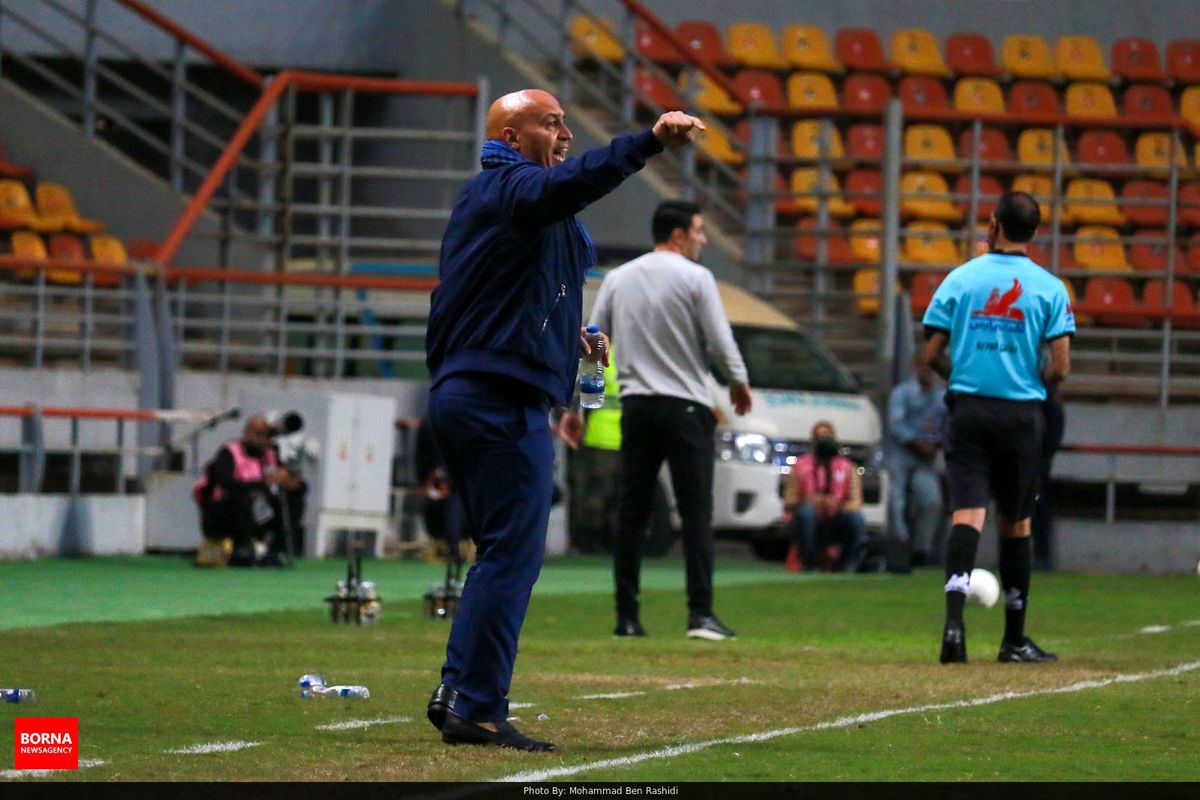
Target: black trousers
(680, 432)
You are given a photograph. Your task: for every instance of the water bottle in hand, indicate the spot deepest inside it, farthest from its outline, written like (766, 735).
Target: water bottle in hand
(591, 371)
(18, 696)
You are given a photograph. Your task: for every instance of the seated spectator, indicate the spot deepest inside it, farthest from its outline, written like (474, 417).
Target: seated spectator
(827, 526)
(916, 420)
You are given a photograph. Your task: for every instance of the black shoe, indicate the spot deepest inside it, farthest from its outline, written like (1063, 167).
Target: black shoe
(954, 644)
(628, 628)
(1025, 652)
(702, 627)
(439, 705)
(457, 730)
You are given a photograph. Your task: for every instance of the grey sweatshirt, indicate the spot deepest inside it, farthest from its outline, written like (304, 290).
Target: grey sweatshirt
(664, 315)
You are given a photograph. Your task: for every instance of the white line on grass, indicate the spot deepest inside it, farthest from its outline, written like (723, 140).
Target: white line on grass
(1192, 623)
(352, 724)
(84, 763)
(843, 722)
(609, 695)
(670, 687)
(1155, 629)
(212, 747)
(520, 705)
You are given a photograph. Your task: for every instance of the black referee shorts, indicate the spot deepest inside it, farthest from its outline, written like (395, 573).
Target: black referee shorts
(994, 450)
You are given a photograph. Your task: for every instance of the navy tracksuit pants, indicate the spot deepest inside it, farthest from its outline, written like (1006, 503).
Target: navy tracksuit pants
(494, 437)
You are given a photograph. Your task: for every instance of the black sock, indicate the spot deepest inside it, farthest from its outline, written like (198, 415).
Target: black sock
(1016, 557)
(960, 560)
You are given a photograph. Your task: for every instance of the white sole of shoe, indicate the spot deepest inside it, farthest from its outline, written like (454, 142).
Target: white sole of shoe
(705, 633)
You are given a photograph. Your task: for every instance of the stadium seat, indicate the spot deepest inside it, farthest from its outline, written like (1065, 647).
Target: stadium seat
(1189, 106)
(1183, 61)
(651, 89)
(930, 143)
(865, 190)
(864, 240)
(915, 51)
(865, 93)
(1152, 150)
(704, 41)
(1144, 202)
(654, 46)
(761, 87)
(1099, 247)
(977, 245)
(1039, 251)
(1032, 99)
(784, 206)
(17, 211)
(707, 95)
(1151, 255)
(806, 141)
(921, 94)
(990, 190)
(1146, 102)
(807, 47)
(1040, 187)
(1080, 58)
(1135, 59)
(804, 184)
(716, 146)
(922, 285)
(1099, 148)
(866, 291)
(1090, 201)
(1035, 148)
(1027, 56)
(594, 38)
(860, 49)
(927, 242)
(1154, 298)
(864, 142)
(27, 244)
(993, 146)
(1090, 100)
(55, 204)
(837, 245)
(66, 247)
(811, 90)
(1115, 294)
(10, 170)
(741, 132)
(752, 45)
(931, 208)
(107, 249)
(971, 54)
(1188, 209)
(978, 96)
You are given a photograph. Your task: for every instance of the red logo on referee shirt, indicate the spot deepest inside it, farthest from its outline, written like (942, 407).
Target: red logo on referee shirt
(1001, 305)
(46, 743)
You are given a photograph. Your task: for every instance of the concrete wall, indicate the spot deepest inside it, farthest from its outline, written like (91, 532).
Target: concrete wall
(46, 524)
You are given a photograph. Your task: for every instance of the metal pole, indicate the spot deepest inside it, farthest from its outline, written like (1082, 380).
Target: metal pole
(88, 322)
(178, 115)
(324, 182)
(89, 69)
(627, 68)
(120, 487)
(1056, 198)
(566, 84)
(481, 108)
(760, 210)
(889, 242)
(39, 345)
(1164, 383)
(821, 272)
(31, 465)
(269, 164)
(76, 458)
(973, 200)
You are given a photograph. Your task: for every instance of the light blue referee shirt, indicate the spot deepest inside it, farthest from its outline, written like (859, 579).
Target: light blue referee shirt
(998, 310)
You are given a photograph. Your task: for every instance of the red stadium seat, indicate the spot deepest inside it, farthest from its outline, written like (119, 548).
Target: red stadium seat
(923, 94)
(1115, 294)
(860, 49)
(837, 244)
(654, 46)
(864, 142)
(1137, 59)
(865, 93)
(921, 289)
(1144, 212)
(1032, 99)
(1099, 148)
(1154, 298)
(971, 54)
(762, 87)
(1039, 251)
(1188, 210)
(705, 41)
(993, 146)
(11, 170)
(1152, 256)
(1146, 102)
(990, 190)
(654, 89)
(868, 184)
(1183, 61)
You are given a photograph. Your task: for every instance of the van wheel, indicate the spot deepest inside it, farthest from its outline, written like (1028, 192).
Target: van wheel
(769, 548)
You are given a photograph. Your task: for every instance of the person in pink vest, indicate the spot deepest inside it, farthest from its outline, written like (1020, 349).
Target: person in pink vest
(827, 526)
(238, 498)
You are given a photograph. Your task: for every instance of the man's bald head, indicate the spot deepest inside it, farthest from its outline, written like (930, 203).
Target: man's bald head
(508, 111)
(531, 122)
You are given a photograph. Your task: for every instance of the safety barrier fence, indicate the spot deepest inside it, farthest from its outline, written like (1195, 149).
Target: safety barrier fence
(1127, 463)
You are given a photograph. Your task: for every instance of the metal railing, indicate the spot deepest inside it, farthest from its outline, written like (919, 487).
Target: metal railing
(1124, 464)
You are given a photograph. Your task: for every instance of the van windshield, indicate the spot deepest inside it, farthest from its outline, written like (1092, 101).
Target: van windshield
(783, 359)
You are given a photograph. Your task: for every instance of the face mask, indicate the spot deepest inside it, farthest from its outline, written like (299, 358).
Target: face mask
(253, 450)
(825, 447)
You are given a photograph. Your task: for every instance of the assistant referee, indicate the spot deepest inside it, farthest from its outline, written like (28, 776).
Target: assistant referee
(995, 313)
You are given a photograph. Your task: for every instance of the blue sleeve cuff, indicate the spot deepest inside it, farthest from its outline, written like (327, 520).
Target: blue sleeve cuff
(647, 143)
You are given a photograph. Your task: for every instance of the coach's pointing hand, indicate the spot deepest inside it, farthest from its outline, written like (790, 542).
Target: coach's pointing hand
(676, 128)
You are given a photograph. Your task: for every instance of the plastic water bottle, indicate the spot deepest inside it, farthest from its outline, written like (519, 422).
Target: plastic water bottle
(310, 684)
(344, 692)
(18, 695)
(591, 371)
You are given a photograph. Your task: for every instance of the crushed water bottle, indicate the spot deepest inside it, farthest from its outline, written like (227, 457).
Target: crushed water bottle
(345, 692)
(310, 684)
(591, 371)
(18, 695)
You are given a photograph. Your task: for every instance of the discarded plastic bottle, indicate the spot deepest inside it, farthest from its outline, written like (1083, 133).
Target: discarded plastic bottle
(344, 692)
(18, 695)
(310, 684)
(591, 371)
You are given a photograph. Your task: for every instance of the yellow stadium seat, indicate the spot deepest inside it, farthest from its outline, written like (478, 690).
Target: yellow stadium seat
(866, 290)
(930, 143)
(27, 244)
(1035, 148)
(1189, 105)
(594, 37)
(1090, 99)
(926, 183)
(865, 240)
(811, 90)
(56, 206)
(708, 96)
(1026, 56)
(806, 141)
(916, 51)
(107, 249)
(17, 210)
(1090, 201)
(717, 146)
(1041, 187)
(805, 186)
(807, 47)
(753, 45)
(1105, 252)
(1153, 151)
(978, 96)
(928, 242)
(1080, 58)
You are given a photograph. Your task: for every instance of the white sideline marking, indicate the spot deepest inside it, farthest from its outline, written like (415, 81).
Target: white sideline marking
(84, 763)
(352, 724)
(1192, 623)
(521, 705)
(532, 776)
(670, 687)
(212, 747)
(1155, 629)
(609, 696)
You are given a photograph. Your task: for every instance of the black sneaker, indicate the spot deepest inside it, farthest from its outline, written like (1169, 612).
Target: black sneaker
(1025, 652)
(702, 627)
(439, 705)
(954, 644)
(457, 730)
(628, 628)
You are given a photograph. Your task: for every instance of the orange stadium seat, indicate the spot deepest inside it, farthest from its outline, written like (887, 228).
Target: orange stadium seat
(865, 93)
(1031, 99)
(1189, 105)
(805, 185)
(1091, 201)
(1098, 148)
(1135, 59)
(990, 190)
(1040, 187)
(1035, 148)
(1153, 151)
(860, 49)
(1099, 247)
(707, 95)
(761, 87)
(993, 146)
(866, 189)
(1151, 255)
(27, 244)
(56, 206)
(66, 247)
(916, 51)
(654, 46)
(837, 246)
(1115, 294)
(752, 45)
(716, 146)
(1080, 58)
(1144, 202)
(807, 47)
(927, 242)
(867, 291)
(1026, 56)
(971, 54)
(17, 210)
(864, 240)
(1154, 298)
(806, 141)
(1188, 210)
(1039, 251)
(705, 42)
(865, 141)
(1146, 102)
(811, 90)
(1183, 61)
(1089, 100)
(935, 207)
(784, 206)
(11, 170)
(921, 289)
(978, 96)
(651, 88)
(594, 38)
(922, 94)
(107, 249)
(930, 143)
